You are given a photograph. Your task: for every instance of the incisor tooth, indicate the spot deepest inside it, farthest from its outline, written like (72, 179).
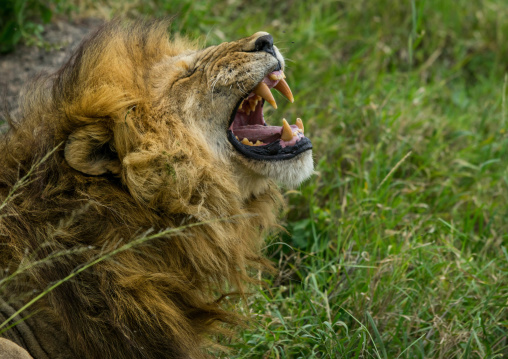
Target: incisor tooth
(287, 133)
(299, 123)
(278, 76)
(263, 91)
(284, 89)
(275, 77)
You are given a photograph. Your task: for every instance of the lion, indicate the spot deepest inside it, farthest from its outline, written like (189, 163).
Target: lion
(139, 133)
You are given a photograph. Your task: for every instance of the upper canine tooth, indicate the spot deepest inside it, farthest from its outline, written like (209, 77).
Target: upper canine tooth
(263, 91)
(287, 132)
(284, 89)
(299, 123)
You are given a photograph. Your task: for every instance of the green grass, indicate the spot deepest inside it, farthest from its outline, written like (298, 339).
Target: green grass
(23, 21)
(398, 246)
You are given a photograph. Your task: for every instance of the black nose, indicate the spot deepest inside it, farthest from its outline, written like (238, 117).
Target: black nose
(265, 43)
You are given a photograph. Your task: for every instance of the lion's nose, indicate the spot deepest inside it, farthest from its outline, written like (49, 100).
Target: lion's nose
(265, 43)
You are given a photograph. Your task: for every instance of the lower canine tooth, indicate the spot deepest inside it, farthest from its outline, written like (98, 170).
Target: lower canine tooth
(299, 124)
(287, 133)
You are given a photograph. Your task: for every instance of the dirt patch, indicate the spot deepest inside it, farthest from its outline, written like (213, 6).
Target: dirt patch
(18, 67)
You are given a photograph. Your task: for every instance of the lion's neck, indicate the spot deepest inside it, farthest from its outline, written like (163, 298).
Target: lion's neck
(251, 184)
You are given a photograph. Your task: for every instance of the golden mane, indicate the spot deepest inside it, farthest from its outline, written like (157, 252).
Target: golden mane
(122, 165)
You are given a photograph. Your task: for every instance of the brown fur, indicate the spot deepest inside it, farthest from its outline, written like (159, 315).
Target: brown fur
(136, 122)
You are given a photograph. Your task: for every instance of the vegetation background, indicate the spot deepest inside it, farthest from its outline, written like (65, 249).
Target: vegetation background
(397, 247)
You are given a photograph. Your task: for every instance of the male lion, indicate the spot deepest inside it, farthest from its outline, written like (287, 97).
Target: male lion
(135, 133)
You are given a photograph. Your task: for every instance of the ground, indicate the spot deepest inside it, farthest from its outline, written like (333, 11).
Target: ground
(25, 62)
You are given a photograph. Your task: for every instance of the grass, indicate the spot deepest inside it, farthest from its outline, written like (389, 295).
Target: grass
(398, 246)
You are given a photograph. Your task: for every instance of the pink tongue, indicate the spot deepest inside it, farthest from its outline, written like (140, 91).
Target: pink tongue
(257, 132)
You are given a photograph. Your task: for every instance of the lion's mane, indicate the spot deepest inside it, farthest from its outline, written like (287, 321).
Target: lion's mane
(160, 299)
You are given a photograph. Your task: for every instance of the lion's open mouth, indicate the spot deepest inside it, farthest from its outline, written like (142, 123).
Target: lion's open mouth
(253, 137)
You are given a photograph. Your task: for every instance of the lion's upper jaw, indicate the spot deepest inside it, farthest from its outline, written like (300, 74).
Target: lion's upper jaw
(222, 90)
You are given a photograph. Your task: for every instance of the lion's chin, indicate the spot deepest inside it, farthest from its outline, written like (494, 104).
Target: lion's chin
(288, 173)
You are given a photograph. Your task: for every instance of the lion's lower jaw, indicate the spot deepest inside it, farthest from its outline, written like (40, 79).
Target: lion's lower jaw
(289, 173)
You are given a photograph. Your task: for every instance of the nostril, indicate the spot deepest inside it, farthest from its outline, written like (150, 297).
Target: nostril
(265, 43)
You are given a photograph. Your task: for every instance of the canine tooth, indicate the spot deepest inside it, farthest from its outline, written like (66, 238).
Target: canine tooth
(299, 123)
(263, 91)
(284, 89)
(287, 133)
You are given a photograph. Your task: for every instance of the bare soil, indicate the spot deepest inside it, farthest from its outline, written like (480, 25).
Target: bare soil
(26, 62)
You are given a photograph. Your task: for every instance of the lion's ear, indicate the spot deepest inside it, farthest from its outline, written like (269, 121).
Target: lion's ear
(89, 150)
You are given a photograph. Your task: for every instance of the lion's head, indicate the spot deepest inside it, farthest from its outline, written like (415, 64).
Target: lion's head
(219, 94)
(137, 133)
